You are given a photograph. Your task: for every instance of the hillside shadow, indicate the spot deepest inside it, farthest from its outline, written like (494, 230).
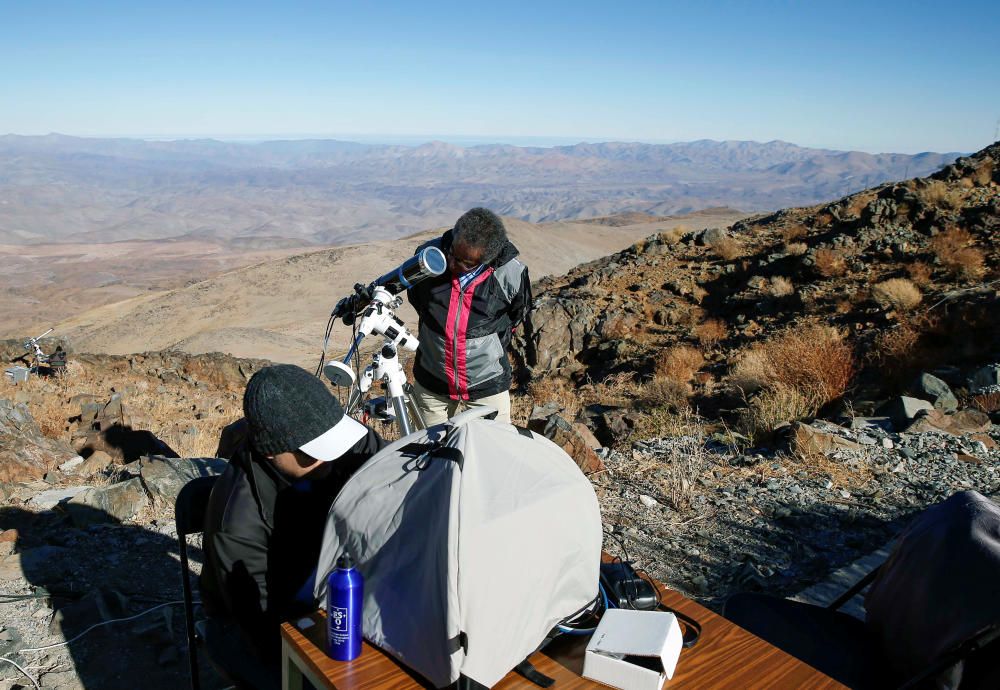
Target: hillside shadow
(801, 548)
(135, 443)
(83, 576)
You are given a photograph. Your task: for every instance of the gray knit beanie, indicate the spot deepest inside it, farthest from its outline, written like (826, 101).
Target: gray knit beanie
(286, 407)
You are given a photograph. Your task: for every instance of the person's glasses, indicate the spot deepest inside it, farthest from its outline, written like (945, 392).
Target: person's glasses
(465, 265)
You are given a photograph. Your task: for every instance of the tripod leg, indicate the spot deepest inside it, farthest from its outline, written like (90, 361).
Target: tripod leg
(416, 414)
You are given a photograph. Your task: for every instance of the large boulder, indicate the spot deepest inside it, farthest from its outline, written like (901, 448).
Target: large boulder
(931, 388)
(165, 477)
(49, 499)
(903, 410)
(25, 453)
(567, 436)
(808, 440)
(113, 503)
(959, 423)
(985, 377)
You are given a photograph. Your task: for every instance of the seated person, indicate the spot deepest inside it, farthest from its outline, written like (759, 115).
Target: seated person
(265, 518)
(57, 362)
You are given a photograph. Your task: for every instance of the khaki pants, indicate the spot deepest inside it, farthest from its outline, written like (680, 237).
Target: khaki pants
(438, 408)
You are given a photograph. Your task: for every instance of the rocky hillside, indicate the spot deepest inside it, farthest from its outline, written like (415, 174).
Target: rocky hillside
(807, 309)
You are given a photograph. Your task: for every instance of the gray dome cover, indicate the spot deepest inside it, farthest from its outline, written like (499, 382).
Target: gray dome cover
(474, 540)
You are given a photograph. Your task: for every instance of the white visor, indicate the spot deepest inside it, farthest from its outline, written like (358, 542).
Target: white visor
(333, 443)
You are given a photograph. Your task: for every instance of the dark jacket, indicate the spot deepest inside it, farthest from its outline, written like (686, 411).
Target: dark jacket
(464, 334)
(262, 541)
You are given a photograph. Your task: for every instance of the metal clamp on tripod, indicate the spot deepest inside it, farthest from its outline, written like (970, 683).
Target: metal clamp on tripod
(371, 310)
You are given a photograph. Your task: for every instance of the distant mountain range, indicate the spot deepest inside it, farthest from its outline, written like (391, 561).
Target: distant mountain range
(57, 188)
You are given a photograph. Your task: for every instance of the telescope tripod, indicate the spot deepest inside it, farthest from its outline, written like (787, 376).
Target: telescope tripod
(378, 317)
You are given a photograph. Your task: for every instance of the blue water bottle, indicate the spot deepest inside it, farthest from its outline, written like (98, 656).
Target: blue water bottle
(344, 604)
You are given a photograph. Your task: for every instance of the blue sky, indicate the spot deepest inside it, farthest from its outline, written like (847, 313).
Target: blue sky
(890, 76)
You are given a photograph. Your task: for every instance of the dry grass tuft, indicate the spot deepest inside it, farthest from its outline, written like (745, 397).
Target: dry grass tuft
(779, 286)
(830, 263)
(920, 273)
(664, 392)
(938, 193)
(895, 346)
(984, 173)
(771, 407)
(555, 389)
(728, 248)
(796, 248)
(823, 219)
(674, 235)
(814, 360)
(711, 332)
(790, 233)
(896, 293)
(678, 363)
(954, 249)
(986, 402)
(854, 205)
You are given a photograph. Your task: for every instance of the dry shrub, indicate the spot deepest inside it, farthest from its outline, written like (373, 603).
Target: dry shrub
(938, 193)
(752, 371)
(773, 406)
(896, 293)
(896, 349)
(678, 363)
(830, 263)
(796, 248)
(619, 327)
(664, 391)
(920, 273)
(620, 390)
(790, 233)
(779, 286)
(986, 402)
(954, 249)
(711, 332)
(656, 422)
(728, 248)
(823, 218)
(555, 389)
(674, 235)
(854, 205)
(813, 359)
(698, 293)
(984, 173)
(691, 315)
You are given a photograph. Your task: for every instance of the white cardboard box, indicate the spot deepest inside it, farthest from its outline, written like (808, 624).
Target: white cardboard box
(634, 650)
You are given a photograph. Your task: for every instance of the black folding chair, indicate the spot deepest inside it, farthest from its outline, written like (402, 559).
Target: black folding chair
(189, 514)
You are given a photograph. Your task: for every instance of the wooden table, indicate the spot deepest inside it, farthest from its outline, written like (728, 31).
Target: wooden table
(726, 656)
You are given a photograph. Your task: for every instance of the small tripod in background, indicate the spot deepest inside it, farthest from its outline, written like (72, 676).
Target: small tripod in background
(38, 358)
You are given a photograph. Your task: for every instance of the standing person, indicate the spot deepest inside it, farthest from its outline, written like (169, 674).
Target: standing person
(467, 316)
(266, 515)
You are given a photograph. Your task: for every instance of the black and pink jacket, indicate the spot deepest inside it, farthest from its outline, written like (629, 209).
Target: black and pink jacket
(464, 334)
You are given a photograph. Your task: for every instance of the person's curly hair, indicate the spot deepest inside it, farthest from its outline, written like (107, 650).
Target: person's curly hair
(483, 229)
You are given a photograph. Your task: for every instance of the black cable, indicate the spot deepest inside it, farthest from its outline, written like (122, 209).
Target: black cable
(693, 628)
(693, 632)
(326, 340)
